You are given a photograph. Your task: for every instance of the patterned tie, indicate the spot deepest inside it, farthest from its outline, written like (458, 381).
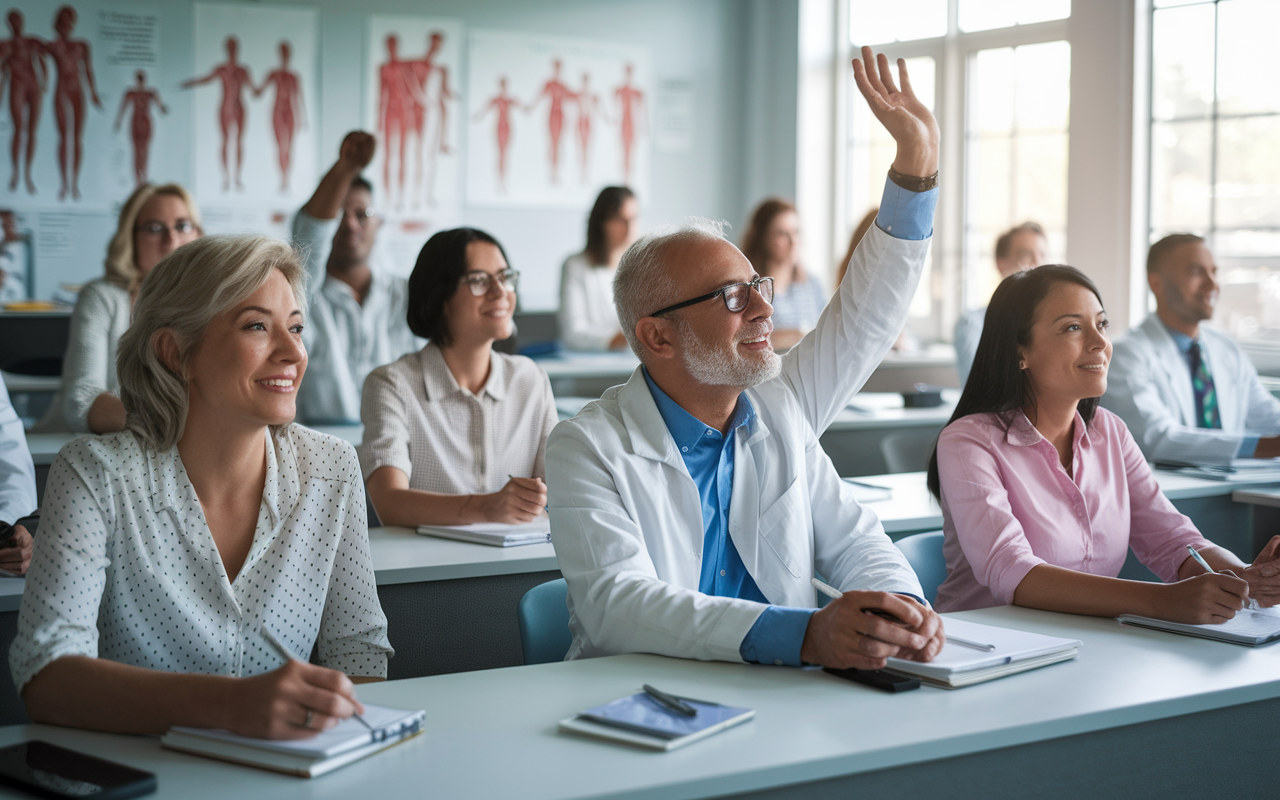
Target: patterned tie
(1202, 384)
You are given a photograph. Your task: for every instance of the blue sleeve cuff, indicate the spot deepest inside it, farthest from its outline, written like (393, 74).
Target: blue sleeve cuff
(1248, 447)
(905, 214)
(777, 636)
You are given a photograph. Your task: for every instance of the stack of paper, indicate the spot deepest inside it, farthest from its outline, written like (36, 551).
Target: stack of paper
(962, 665)
(640, 721)
(496, 534)
(1250, 627)
(342, 744)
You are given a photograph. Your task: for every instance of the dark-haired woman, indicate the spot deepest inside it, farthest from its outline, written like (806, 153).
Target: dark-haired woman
(456, 432)
(587, 317)
(1043, 492)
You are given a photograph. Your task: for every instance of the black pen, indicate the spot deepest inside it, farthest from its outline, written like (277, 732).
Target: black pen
(673, 703)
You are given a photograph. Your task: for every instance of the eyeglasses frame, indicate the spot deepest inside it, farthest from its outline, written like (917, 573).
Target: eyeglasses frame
(721, 292)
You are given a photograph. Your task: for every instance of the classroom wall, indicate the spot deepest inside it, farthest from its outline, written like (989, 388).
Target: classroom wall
(744, 140)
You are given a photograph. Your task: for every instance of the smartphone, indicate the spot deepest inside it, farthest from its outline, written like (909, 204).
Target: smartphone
(47, 770)
(880, 679)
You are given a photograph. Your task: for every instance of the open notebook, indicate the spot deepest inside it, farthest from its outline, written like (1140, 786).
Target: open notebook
(1015, 651)
(496, 534)
(1250, 627)
(342, 744)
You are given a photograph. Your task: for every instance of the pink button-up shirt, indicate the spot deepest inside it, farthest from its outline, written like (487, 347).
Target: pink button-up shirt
(1008, 505)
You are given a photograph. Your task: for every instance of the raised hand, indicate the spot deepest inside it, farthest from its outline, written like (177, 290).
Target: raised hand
(907, 119)
(357, 149)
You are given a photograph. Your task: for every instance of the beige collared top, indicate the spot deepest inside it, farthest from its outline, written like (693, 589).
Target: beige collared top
(446, 439)
(125, 567)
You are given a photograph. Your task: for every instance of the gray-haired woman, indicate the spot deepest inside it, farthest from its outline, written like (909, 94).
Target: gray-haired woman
(167, 548)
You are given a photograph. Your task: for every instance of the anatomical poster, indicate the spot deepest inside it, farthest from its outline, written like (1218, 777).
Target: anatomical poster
(254, 78)
(552, 120)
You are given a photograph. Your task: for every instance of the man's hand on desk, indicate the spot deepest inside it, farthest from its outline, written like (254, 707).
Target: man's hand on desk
(1268, 447)
(15, 557)
(1263, 575)
(847, 634)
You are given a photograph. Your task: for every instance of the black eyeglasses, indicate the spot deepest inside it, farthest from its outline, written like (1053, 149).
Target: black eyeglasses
(479, 282)
(736, 296)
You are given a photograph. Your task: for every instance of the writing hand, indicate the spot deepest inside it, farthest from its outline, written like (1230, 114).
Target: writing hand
(275, 705)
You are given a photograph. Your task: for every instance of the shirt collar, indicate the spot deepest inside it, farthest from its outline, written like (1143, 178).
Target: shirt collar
(688, 430)
(439, 382)
(1023, 434)
(1180, 339)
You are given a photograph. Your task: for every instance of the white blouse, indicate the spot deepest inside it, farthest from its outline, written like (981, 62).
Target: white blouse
(101, 317)
(125, 567)
(588, 319)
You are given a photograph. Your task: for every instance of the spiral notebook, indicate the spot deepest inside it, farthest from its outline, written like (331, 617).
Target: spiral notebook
(342, 744)
(1250, 627)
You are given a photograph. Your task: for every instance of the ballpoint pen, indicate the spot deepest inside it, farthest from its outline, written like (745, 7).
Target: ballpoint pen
(834, 593)
(1253, 604)
(670, 702)
(285, 653)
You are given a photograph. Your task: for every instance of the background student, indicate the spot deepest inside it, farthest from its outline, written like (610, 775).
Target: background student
(772, 244)
(456, 433)
(1186, 390)
(356, 316)
(587, 318)
(166, 547)
(17, 486)
(1043, 492)
(155, 221)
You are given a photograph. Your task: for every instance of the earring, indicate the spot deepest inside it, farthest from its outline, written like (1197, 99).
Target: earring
(1022, 365)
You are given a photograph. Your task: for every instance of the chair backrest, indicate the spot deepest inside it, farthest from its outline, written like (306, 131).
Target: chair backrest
(924, 553)
(543, 617)
(908, 452)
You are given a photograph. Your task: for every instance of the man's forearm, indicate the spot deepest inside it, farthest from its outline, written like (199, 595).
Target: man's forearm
(327, 200)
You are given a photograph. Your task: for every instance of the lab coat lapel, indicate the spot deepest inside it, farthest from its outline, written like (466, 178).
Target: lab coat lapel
(1176, 371)
(645, 426)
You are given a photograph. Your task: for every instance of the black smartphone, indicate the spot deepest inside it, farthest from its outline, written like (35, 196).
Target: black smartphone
(47, 770)
(877, 678)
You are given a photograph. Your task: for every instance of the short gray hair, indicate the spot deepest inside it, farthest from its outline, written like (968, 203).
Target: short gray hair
(642, 284)
(182, 294)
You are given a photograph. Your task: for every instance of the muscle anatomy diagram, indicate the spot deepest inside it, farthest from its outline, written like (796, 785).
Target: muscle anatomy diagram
(71, 59)
(557, 95)
(413, 118)
(632, 119)
(139, 98)
(501, 104)
(288, 115)
(234, 79)
(22, 66)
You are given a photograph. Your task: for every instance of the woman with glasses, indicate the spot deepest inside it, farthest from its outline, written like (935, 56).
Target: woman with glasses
(456, 432)
(155, 221)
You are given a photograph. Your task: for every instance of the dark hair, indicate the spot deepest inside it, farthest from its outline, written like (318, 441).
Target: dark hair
(436, 275)
(361, 182)
(1005, 242)
(753, 240)
(996, 383)
(1166, 246)
(607, 206)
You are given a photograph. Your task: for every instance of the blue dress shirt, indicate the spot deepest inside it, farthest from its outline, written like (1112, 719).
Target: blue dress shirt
(778, 633)
(1248, 445)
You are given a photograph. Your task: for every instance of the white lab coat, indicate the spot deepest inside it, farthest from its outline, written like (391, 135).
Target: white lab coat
(1149, 387)
(626, 518)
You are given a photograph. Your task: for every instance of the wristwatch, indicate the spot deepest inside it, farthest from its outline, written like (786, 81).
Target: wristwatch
(913, 184)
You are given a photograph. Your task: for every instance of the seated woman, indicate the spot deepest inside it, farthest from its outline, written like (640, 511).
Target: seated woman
(1043, 492)
(772, 245)
(456, 433)
(166, 549)
(587, 317)
(155, 221)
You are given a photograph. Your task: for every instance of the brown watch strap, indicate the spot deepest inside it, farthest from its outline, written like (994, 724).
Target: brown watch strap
(911, 183)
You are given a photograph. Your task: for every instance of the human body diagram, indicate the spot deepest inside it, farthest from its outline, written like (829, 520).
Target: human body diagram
(139, 98)
(288, 113)
(23, 69)
(234, 79)
(413, 117)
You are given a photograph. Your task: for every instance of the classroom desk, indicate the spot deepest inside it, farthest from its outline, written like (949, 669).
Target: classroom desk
(575, 374)
(855, 440)
(1119, 721)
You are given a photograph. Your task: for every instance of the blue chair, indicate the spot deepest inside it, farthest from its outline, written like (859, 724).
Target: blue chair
(543, 617)
(924, 553)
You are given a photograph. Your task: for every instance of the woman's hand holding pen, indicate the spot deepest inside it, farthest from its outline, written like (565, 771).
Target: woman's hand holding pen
(521, 500)
(296, 701)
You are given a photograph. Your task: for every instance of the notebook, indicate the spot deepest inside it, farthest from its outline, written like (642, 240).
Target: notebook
(496, 534)
(869, 492)
(641, 721)
(960, 665)
(1249, 627)
(346, 742)
(1241, 470)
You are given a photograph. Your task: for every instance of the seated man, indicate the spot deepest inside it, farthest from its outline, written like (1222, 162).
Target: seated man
(1017, 249)
(691, 507)
(357, 319)
(17, 487)
(1186, 391)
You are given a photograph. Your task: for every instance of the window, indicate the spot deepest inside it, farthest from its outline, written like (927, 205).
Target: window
(1010, 61)
(1215, 148)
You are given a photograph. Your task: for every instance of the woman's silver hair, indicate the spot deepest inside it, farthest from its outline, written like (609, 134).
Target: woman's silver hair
(183, 294)
(642, 284)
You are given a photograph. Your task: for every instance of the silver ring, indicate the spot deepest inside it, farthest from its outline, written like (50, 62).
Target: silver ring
(306, 723)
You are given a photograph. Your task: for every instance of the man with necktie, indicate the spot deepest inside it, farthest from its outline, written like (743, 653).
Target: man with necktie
(1187, 391)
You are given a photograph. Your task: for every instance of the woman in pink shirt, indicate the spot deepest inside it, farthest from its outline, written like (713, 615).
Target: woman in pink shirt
(1043, 492)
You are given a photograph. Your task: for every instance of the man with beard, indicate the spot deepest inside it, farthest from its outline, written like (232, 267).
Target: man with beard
(1186, 391)
(691, 507)
(357, 318)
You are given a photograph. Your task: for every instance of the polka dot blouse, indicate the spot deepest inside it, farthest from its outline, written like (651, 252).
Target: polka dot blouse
(125, 567)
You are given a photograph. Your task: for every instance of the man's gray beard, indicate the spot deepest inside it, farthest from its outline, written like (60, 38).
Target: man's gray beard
(712, 366)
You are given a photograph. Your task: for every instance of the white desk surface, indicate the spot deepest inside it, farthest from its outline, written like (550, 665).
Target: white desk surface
(31, 383)
(400, 555)
(11, 593)
(570, 364)
(492, 734)
(1258, 497)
